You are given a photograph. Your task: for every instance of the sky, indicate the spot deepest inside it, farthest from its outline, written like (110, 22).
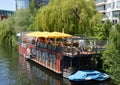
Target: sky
(7, 5)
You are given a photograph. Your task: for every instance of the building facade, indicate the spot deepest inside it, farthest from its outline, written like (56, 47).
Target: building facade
(4, 14)
(25, 3)
(41, 2)
(22, 4)
(110, 9)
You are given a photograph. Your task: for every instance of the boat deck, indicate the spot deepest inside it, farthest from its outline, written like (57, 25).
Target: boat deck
(72, 54)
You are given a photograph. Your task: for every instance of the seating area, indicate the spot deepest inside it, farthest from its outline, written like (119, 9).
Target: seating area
(71, 47)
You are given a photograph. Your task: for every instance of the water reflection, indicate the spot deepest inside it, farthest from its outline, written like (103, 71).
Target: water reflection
(37, 75)
(33, 74)
(8, 65)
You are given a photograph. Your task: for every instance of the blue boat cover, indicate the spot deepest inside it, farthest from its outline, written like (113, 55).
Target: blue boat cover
(88, 75)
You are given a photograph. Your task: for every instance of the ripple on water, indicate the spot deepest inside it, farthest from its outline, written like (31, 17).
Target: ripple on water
(4, 68)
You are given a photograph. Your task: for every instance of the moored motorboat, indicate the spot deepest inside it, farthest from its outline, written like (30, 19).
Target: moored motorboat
(85, 75)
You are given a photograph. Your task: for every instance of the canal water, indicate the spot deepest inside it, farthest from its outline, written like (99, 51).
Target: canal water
(14, 70)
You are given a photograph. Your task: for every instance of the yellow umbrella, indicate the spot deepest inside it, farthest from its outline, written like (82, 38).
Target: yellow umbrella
(62, 35)
(56, 35)
(43, 34)
(67, 35)
(38, 34)
(59, 35)
(33, 34)
(48, 34)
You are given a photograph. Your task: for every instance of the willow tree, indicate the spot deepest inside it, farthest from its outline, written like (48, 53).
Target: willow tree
(101, 31)
(75, 16)
(33, 7)
(18, 22)
(3, 25)
(7, 32)
(111, 55)
(23, 19)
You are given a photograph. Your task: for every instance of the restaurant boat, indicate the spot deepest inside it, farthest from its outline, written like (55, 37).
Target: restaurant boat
(74, 58)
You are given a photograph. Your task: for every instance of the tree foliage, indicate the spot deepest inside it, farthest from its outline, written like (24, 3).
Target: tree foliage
(22, 20)
(18, 22)
(111, 55)
(106, 29)
(102, 30)
(33, 7)
(7, 32)
(75, 16)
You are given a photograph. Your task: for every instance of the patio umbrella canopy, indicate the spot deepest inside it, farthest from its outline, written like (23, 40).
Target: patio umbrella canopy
(33, 34)
(38, 34)
(53, 35)
(49, 34)
(59, 35)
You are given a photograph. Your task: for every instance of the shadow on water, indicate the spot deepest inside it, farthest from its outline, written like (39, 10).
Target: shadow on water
(35, 74)
(107, 82)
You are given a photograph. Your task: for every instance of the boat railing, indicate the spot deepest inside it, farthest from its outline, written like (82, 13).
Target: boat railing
(75, 51)
(73, 48)
(50, 47)
(86, 49)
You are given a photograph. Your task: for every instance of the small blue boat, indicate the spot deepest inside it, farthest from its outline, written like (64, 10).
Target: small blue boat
(86, 75)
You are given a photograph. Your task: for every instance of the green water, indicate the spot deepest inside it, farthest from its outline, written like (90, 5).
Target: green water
(14, 70)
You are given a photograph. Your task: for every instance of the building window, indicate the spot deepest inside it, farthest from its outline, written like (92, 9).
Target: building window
(113, 5)
(100, 1)
(114, 21)
(100, 8)
(22, 4)
(118, 4)
(107, 14)
(107, 6)
(115, 14)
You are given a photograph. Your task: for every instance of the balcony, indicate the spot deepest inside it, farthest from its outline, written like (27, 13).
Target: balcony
(116, 9)
(100, 2)
(114, 18)
(101, 9)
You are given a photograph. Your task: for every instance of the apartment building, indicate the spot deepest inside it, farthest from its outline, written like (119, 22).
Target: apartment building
(41, 2)
(22, 4)
(25, 3)
(110, 9)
